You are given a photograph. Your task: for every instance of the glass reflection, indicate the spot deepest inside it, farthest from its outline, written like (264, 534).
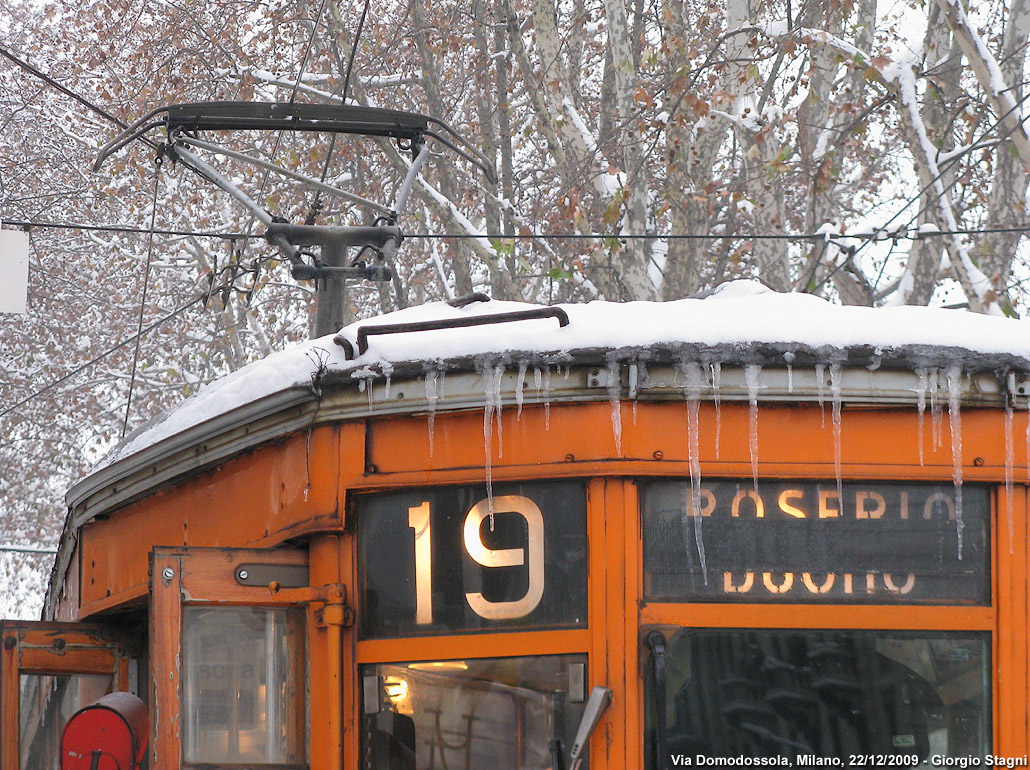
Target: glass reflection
(502, 713)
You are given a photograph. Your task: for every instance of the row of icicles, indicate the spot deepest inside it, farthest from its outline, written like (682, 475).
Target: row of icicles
(698, 380)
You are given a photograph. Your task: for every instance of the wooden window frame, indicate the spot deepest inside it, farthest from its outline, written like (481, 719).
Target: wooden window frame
(181, 577)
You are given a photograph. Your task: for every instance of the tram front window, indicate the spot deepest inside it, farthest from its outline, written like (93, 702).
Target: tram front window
(500, 713)
(826, 694)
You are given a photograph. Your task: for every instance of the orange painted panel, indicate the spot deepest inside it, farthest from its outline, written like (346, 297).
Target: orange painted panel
(263, 497)
(499, 645)
(794, 435)
(293, 487)
(580, 430)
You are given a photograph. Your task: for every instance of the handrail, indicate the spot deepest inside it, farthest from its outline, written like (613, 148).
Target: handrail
(364, 332)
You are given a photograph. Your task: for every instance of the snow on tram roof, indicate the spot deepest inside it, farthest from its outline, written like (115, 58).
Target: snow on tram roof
(736, 318)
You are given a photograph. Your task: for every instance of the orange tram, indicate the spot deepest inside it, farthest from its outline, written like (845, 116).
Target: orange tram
(746, 530)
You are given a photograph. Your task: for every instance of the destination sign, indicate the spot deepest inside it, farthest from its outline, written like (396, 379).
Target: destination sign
(456, 558)
(801, 541)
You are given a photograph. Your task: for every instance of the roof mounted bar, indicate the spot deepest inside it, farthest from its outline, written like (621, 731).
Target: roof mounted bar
(274, 116)
(364, 332)
(283, 116)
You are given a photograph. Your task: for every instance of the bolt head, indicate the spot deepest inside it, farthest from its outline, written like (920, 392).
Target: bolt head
(167, 573)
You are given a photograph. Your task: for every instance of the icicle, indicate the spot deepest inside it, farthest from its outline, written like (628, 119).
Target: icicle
(820, 373)
(751, 374)
(835, 392)
(492, 406)
(1009, 463)
(365, 384)
(921, 400)
(634, 381)
(495, 396)
(614, 387)
(716, 377)
(936, 412)
(520, 384)
(695, 381)
(386, 389)
(789, 358)
(955, 421)
(547, 396)
(431, 397)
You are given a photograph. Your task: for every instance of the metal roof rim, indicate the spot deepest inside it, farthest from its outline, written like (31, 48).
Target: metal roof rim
(121, 467)
(339, 384)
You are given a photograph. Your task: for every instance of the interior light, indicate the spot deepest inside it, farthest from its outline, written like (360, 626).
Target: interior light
(397, 691)
(440, 665)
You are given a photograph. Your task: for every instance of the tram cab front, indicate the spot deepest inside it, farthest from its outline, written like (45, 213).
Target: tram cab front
(589, 546)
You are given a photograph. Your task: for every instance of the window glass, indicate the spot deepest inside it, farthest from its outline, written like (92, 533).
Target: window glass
(454, 558)
(798, 541)
(501, 713)
(46, 703)
(826, 694)
(242, 685)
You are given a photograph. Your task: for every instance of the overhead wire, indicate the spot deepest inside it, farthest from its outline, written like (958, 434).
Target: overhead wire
(316, 203)
(63, 89)
(31, 224)
(82, 367)
(878, 234)
(143, 298)
(248, 231)
(947, 166)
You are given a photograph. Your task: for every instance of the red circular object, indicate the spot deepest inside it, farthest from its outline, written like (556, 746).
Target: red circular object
(112, 733)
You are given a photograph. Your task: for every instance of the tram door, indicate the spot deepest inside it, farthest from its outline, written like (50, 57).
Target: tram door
(228, 651)
(48, 671)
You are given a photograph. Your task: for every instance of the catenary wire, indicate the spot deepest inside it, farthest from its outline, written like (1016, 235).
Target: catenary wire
(143, 300)
(879, 234)
(63, 89)
(947, 166)
(316, 202)
(127, 341)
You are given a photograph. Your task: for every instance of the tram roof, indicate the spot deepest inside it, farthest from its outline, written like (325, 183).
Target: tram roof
(740, 323)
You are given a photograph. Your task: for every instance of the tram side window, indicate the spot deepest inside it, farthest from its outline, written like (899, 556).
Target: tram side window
(501, 713)
(804, 541)
(243, 685)
(831, 694)
(45, 704)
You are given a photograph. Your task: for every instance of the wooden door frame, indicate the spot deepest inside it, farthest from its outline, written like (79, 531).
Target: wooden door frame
(182, 577)
(52, 649)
